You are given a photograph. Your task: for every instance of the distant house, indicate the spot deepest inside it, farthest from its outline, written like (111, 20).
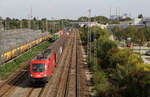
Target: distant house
(141, 22)
(137, 21)
(114, 17)
(146, 21)
(102, 26)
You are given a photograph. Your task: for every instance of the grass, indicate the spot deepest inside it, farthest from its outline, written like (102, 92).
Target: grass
(12, 66)
(148, 59)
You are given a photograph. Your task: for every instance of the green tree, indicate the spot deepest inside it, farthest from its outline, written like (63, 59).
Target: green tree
(100, 19)
(139, 37)
(126, 19)
(83, 19)
(103, 46)
(114, 21)
(132, 82)
(128, 32)
(117, 32)
(101, 84)
(147, 34)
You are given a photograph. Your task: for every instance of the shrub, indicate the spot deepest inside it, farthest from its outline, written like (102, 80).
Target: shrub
(101, 84)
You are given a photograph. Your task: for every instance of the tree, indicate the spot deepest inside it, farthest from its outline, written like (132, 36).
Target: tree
(140, 16)
(147, 34)
(126, 19)
(139, 37)
(116, 56)
(100, 19)
(103, 46)
(132, 82)
(83, 19)
(117, 32)
(96, 32)
(24, 23)
(128, 32)
(114, 21)
(101, 84)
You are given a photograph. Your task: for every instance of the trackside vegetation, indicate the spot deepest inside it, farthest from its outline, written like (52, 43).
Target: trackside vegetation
(10, 67)
(116, 72)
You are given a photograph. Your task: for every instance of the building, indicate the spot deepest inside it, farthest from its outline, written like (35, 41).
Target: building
(114, 17)
(141, 22)
(146, 21)
(82, 24)
(102, 26)
(137, 21)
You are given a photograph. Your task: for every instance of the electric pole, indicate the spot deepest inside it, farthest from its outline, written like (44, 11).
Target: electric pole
(46, 25)
(89, 35)
(21, 24)
(30, 18)
(95, 45)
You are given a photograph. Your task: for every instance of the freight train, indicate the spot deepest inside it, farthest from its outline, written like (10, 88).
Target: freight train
(57, 35)
(8, 55)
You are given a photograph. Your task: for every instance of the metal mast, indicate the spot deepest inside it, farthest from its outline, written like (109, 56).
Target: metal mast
(95, 45)
(46, 25)
(21, 26)
(89, 34)
(30, 18)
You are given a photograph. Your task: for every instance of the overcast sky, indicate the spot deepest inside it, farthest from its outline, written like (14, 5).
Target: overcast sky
(71, 8)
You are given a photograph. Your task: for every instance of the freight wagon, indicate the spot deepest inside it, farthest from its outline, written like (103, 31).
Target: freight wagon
(26, 44)
(10, 53)
(57, 35)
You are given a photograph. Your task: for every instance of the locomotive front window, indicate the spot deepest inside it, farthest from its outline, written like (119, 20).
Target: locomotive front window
(38, 67)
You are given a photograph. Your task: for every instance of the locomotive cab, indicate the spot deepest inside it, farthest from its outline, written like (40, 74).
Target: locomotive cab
(38, 71)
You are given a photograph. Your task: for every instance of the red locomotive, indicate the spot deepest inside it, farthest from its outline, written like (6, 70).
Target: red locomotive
(42, 66)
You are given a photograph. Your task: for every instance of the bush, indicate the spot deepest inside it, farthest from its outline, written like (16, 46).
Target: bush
(133, 81)
(93, 63)
(101, 84)
(104, 46)
(119, 72)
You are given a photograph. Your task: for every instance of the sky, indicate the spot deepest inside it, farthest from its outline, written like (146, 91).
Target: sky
(72, 9)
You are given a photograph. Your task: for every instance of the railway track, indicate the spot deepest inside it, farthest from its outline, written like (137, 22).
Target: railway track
(10, 85)
(68, 85)
(16, 79)
(54, 80)
(76, 83)
(64, 81)
(58, 83)
(71, 89)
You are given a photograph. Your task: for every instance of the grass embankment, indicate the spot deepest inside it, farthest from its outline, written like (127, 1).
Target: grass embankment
(12, 66)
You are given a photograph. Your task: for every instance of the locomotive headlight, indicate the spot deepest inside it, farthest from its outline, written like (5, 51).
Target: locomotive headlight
(45, 75)
(31, 75)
